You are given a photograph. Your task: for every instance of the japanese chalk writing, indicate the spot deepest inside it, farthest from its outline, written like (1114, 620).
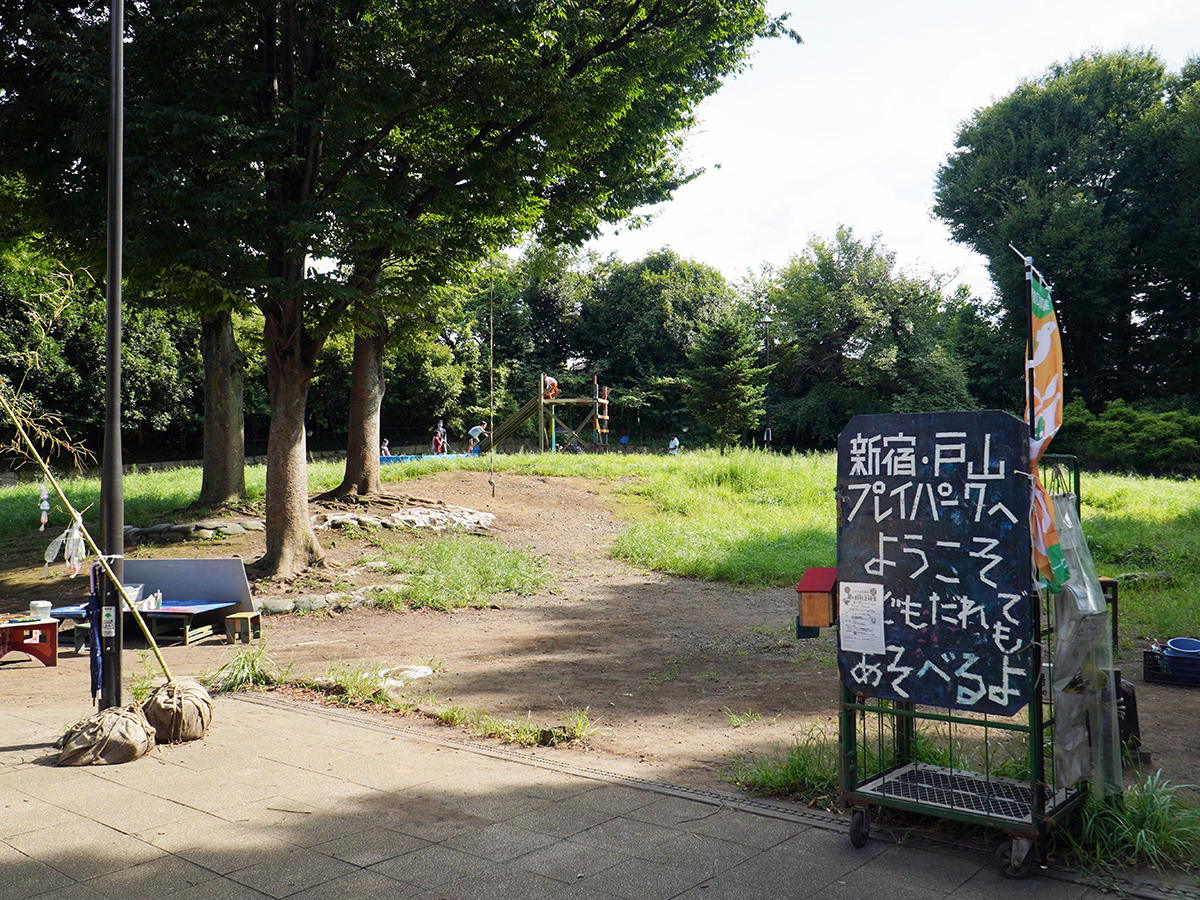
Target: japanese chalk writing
(934, 509)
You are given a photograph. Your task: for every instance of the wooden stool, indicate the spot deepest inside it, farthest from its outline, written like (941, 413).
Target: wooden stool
(244, 625)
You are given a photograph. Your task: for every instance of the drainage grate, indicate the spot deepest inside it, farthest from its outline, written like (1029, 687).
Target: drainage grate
(934, 786)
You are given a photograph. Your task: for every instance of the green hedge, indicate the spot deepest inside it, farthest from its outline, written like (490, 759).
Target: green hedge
(1127, 439)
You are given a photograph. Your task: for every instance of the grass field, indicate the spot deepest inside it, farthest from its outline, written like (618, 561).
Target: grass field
(751, 518)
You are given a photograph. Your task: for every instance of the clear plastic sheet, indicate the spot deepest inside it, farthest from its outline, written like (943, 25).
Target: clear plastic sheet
(1086, 729)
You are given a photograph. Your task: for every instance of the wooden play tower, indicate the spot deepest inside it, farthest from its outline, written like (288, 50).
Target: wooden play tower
(551, 409)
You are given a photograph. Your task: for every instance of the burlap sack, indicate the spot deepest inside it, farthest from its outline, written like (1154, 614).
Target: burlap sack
(113, 735)
(179, 711)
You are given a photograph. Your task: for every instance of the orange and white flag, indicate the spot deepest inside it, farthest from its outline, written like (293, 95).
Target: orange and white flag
(1044, 386)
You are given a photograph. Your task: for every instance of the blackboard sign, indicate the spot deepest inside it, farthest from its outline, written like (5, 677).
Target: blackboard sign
(934, 560)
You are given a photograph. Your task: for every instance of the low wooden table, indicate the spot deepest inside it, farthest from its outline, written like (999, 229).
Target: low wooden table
(38, 638)
(172, 617)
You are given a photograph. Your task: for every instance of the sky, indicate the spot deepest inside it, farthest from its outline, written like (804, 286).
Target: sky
(850, 127)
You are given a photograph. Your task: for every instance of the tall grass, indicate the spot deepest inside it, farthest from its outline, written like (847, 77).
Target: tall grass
(1151, 526)
(448, 572)
(746, 518)
(149, 496)
(1149, 825)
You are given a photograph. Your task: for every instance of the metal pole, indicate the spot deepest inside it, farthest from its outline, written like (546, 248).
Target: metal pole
(112, 489)
(765, 321)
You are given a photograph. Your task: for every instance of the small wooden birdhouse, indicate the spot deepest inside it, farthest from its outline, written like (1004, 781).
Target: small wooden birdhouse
(817, 590)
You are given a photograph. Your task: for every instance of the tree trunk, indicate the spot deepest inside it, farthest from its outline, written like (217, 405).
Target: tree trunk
(291, 543)
(224, 479)
(366, 397)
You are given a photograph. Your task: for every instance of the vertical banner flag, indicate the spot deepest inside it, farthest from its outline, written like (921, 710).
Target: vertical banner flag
(1043, 412)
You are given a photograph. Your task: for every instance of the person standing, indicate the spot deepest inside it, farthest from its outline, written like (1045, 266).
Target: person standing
(439, 438)
(475, 435)
(673, 446)
(383, 448)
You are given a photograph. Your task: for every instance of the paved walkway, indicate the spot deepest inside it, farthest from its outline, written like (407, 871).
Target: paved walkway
(283, 800)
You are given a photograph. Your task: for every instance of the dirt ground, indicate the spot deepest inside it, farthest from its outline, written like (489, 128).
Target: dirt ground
(680, 676)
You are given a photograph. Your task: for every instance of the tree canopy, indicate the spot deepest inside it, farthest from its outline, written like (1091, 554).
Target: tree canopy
(1091, 170)
(726, 387)
(857, 336)
(367, 131)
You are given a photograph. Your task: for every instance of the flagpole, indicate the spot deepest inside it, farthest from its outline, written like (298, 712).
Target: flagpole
(1029, 345)
(1029, 337)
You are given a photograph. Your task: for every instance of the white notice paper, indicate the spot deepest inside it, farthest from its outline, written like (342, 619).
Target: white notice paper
(860, 617)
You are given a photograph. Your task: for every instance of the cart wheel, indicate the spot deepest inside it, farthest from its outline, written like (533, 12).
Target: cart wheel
(1015, 858)
(860, 827)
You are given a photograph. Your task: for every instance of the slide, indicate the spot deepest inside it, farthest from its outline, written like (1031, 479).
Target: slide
(509, 425)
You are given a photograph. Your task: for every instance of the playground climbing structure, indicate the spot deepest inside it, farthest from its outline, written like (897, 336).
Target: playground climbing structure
(553, 427)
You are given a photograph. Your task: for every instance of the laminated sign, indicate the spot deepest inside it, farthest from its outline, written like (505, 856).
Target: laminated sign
(934, 603)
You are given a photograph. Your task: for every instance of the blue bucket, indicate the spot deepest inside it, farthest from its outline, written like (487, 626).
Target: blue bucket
(1184, 647)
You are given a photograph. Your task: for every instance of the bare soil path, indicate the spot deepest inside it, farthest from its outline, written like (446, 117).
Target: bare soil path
(681, 676)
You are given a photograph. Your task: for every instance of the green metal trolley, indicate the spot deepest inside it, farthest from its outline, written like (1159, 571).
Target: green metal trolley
(943, 639)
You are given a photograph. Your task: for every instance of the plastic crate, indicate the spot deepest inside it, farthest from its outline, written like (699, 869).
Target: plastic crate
(1158, 668)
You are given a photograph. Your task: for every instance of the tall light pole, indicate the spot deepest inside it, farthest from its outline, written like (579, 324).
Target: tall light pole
(765, 322)
(112, 490)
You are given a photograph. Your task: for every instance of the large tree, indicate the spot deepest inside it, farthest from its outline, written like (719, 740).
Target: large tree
(637, 325)
(371, 132)
(727, 389)
(1090, 170)
(855, 335)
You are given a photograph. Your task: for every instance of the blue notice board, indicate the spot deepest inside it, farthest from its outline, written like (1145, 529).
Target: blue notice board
(934, 578)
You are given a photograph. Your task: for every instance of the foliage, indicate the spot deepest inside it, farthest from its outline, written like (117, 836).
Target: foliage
(726, 389)
(992, 354)
(248, 668)
(52, 339)
(376, 134)
(1090, 170)
(459, 571)
(856, 336)
(637, 326)
(1125, 438)
(1150, 825)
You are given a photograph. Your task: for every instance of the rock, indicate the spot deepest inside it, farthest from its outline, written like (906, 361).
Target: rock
(309, 602)
(395, 680)
(252, 525)
(202, 533)
(183, 528)
(172, 537)
(212, 526)
(275, 605)
(232, 528)
(442, 518)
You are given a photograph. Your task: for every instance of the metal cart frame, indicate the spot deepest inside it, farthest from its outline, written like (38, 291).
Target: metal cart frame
(990, 766)
(882, 767)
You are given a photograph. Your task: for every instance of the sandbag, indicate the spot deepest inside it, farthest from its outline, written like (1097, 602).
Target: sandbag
(179, 711)
(111, 736)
